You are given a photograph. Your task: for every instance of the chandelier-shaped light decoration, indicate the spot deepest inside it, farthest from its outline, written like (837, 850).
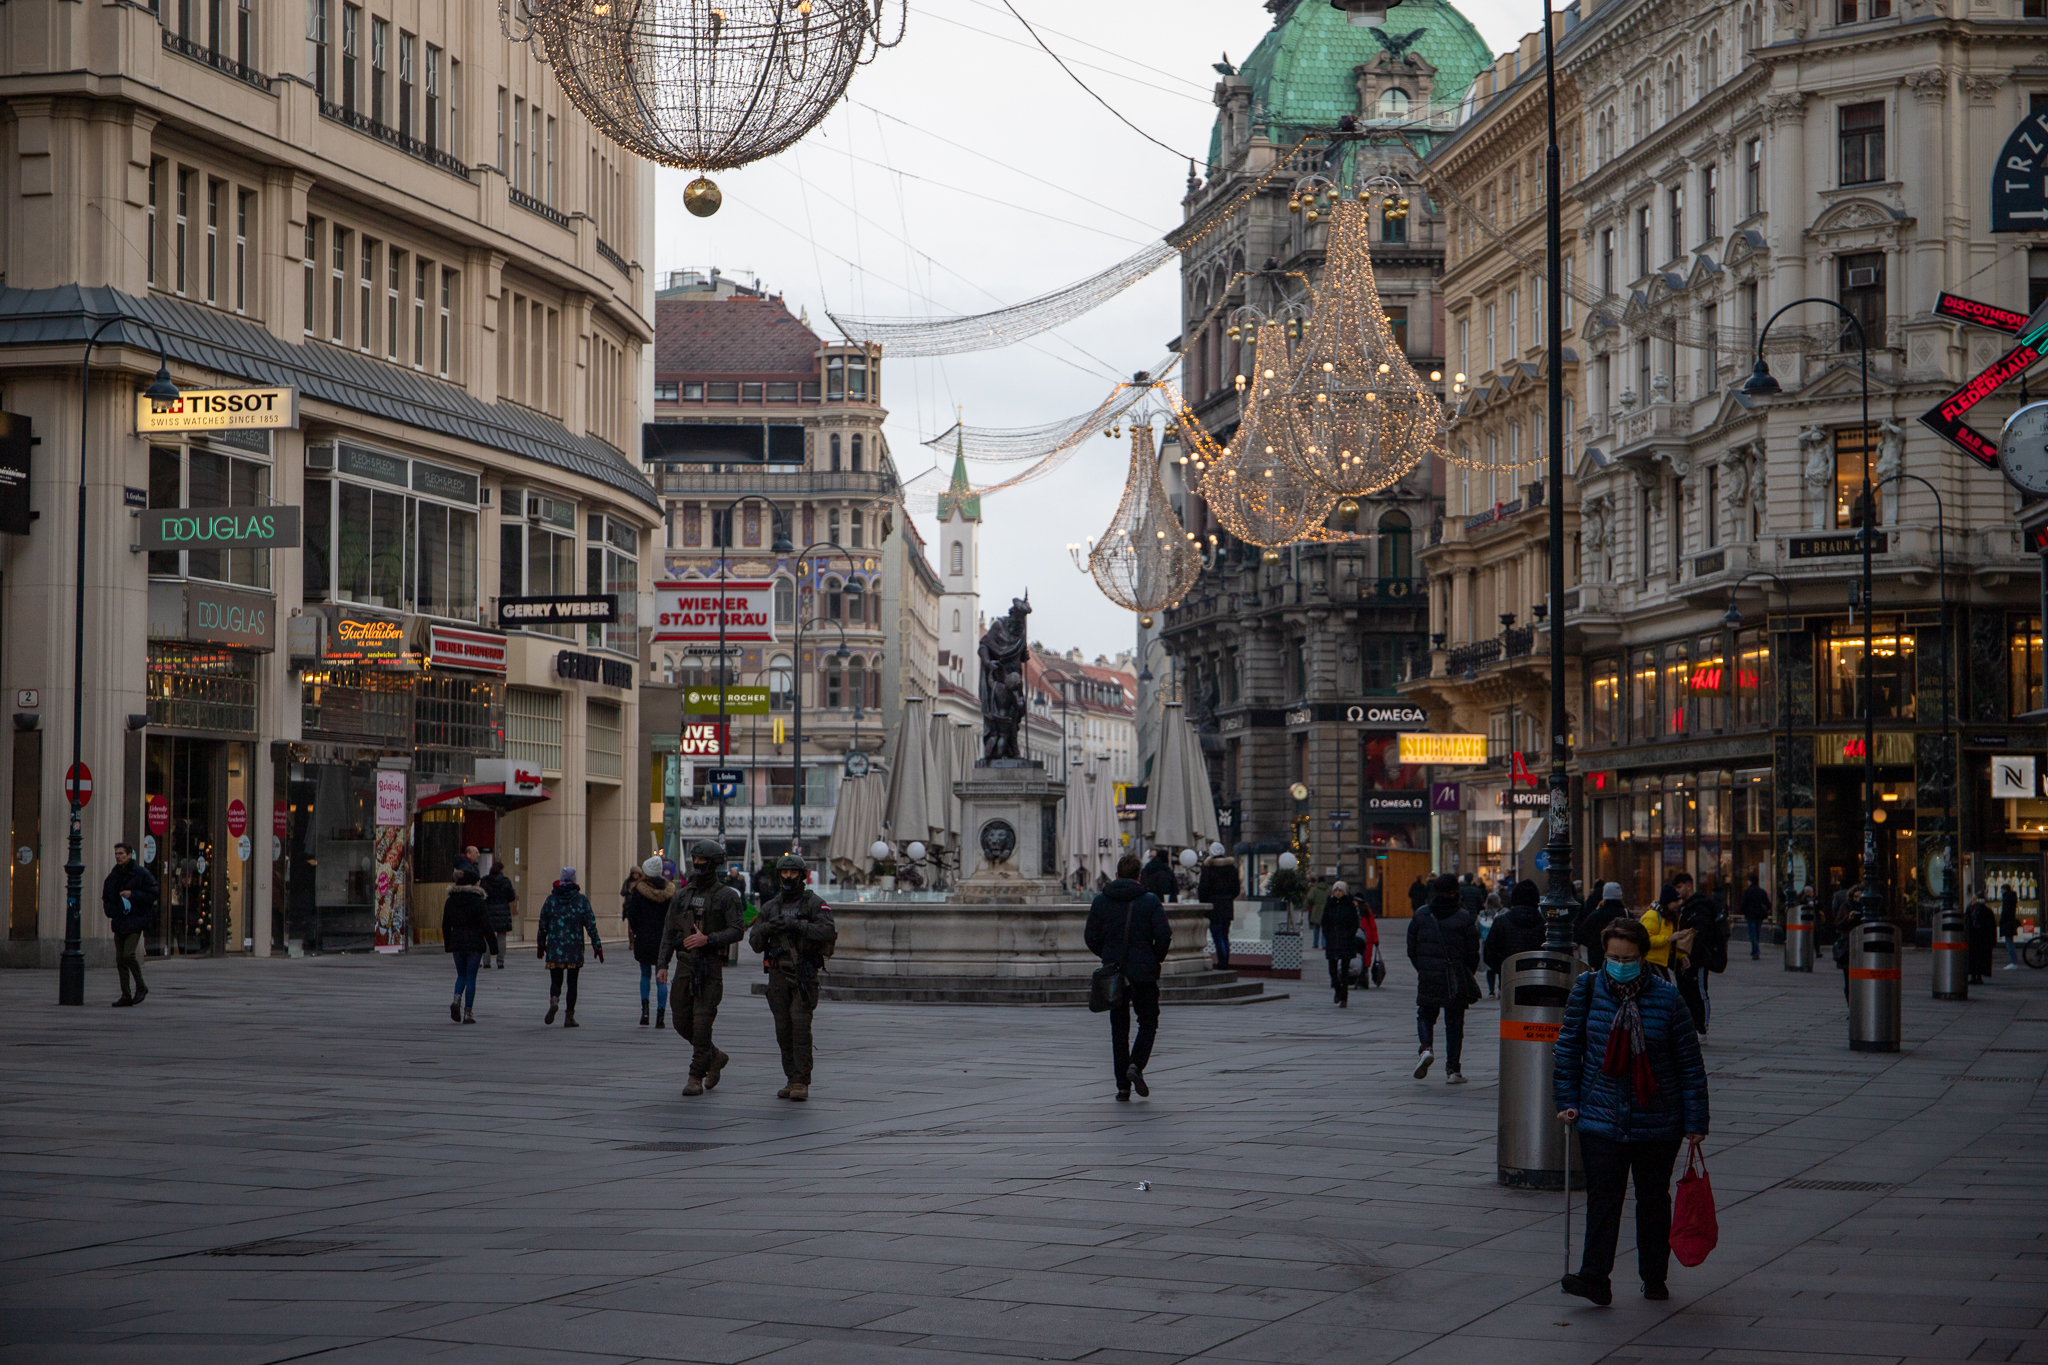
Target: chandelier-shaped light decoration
(702, 85)
(1359, 415)
(1146, 559)
(1253, 485)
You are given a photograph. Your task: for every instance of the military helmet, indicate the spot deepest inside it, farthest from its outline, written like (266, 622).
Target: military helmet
(789, 862)
(706, 849)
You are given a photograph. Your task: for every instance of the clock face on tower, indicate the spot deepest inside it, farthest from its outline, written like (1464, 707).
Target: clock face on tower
(2023, 449)
(2019, 182)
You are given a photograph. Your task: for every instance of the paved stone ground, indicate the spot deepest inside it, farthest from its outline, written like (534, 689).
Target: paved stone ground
(963, 1188)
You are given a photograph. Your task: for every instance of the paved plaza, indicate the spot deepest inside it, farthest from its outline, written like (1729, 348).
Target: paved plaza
(287, 1160)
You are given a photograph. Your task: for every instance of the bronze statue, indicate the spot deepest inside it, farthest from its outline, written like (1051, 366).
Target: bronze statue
(1005, 649)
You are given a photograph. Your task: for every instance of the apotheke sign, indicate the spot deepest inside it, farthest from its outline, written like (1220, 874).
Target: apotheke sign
(219, 410)
(220, 528)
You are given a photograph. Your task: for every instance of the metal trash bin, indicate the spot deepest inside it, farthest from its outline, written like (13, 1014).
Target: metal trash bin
(1530, 1151)
(1951, 948)
(1874, 986)
(1799, 929)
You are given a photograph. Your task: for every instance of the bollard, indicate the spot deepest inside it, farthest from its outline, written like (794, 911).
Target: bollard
(1951, 956)
(1799, 917)
(1874, 985)
(1534, 987)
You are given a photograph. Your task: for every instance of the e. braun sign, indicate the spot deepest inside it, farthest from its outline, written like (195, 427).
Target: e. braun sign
(695, 612)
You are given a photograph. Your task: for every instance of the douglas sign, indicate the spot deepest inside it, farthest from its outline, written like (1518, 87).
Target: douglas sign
(220, 528)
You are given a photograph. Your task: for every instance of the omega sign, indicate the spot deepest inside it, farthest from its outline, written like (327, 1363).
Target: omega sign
(1392, 717)
(220, 528)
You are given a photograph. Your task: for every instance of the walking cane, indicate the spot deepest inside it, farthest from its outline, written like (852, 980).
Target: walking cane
(1567, 1195)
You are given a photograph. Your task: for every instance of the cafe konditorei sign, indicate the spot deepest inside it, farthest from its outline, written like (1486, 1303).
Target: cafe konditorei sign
(220, 528)
(219, 410)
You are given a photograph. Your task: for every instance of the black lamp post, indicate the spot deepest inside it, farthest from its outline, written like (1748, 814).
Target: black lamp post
(1948, 753)
(796, 796)
(1780, 713)
(780, 545)
(1558, 904)
(1761, 384)
(71, 966)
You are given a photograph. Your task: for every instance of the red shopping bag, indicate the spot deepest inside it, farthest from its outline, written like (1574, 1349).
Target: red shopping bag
(1694, 1229)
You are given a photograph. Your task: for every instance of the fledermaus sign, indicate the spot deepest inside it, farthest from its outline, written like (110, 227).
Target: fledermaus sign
(220, 528)
(517, 612)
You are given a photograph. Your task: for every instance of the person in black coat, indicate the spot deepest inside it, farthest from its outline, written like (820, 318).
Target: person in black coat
(1343, 918)
(466, 933)
(1595, 918)
(1219, 889)
(645, 911)
(129, 898)
(499, 897)
(1517, 929)
(1756, 908)
(1128, 929)
(1418, 894)
(2009, 926)
(1443, 945)
(1158, 877)
(1706, 951)
(1983, 930)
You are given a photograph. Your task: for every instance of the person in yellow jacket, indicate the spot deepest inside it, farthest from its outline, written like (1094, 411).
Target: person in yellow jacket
(1662, 923)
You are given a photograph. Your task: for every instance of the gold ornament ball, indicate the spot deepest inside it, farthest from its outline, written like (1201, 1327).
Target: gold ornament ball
(1145, 621)
(702, 198)
(1272, 556)
(1347, 510)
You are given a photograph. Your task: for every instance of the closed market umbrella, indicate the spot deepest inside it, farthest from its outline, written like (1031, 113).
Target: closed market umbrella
(909, 809)
(1179, 812)
(1077, 826)
(857, 822)
(1102, 796)
(940, 807)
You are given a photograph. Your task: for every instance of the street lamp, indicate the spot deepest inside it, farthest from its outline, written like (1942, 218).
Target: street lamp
(779, 545)
(1761, 383)
(71, 966)
(1557, 898)
(1779, 713)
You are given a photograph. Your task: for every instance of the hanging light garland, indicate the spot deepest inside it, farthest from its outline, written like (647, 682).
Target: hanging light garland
(1253, 485)
(1359, 415)
(702, 86)
(1146, 559)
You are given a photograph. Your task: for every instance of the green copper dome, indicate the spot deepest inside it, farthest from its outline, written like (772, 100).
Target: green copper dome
(1303, 72)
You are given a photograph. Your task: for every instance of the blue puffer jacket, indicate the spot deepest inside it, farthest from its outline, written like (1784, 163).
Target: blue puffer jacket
(1606, 1106)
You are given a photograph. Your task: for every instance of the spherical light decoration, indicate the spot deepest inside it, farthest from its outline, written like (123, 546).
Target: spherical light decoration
(1188, 858)
(1288, 862)
(702, 86)
(1271, 556)
(1144, 560)
(1347, 510)
(878, 850)
(916, 851)
(1359, 415)
(702, 198)
(1254, 488)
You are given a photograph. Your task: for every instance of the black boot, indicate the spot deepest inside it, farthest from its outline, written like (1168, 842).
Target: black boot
(657, 1017)
(643, 1014)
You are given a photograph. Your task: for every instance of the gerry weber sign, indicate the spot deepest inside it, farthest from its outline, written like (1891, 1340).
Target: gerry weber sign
(219, 410)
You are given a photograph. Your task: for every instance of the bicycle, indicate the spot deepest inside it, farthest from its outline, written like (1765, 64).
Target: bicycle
(2034, 952)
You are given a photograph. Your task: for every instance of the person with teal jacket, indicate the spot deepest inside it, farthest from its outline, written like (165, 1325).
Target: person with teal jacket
(564, 920)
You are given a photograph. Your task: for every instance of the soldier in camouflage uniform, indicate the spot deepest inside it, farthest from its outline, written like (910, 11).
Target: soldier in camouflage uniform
(794, 935)
(703, 921)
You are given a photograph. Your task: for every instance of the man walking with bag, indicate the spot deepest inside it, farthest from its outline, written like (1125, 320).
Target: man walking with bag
(1443, 945)
(1128, 930)
(703, 921)
(129, 898)
(794, 936)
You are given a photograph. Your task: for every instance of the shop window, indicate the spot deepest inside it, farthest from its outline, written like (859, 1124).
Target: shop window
(1891, 671)
(1678, 694)
(2024, 665)
(604, 740)
(1756, 703)
(533, 728)
(1707, 684)
(1609, 723)
(204, 474)
(1850, 445)
(201, 687)
(1645, 705)
(455, 712)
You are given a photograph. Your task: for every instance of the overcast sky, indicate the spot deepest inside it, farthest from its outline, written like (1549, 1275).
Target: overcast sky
(882, 210)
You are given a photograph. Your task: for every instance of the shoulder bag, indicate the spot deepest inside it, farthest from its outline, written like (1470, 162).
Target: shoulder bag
(1107, 988)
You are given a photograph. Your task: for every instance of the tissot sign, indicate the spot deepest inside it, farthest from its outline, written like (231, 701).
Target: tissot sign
(692, 613)
(219, 410)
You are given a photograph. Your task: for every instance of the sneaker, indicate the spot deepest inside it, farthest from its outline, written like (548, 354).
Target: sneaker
(454, 1012)
(1123, 1095)
(1600, 1292)
(1422, 1063)
(1455, 1078)
(695, 1086)
(553, 1006)
(2012, 966)
(718, 1064)
(1137, 1080)
(1656, 1293)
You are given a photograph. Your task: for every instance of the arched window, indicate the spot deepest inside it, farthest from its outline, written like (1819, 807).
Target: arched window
(959, 561)
(1396, 546)
(956, 620)
(1393, 104)
(785, 601)
(781, 683)
(835, 452)
(856, 604)
(856, 452)
(835, 685)
(857, 684)
(835, 602)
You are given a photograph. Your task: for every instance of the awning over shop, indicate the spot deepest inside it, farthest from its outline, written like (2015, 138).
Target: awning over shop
(491, 795)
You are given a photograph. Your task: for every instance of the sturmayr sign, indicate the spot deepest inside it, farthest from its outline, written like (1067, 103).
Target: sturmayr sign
(220, 528)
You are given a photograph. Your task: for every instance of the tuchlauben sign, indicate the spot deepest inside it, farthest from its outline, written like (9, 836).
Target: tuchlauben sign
(219, 410)
(220, 528)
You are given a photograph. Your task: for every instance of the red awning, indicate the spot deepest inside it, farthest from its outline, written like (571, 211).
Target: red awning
(487, 794)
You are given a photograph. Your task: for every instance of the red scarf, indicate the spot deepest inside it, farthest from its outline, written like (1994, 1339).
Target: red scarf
(1628, 1055)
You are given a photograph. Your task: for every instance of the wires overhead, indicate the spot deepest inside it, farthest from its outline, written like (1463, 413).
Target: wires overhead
(1182, 156)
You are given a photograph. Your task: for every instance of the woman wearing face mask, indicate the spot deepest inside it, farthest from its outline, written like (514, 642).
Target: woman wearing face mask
(1628, 1074)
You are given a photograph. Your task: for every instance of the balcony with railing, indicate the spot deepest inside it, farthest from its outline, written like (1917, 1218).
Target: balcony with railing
(219, 61)
(532, 205)
(404, 142)
(1471, 658)
(604, 249)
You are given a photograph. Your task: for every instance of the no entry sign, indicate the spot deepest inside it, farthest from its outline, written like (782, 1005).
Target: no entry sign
(78, 784)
